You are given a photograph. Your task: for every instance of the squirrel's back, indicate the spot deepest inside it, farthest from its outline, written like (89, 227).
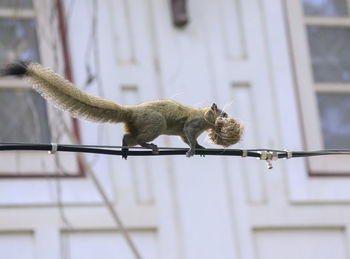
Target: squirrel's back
(171, 110)
(68, 97)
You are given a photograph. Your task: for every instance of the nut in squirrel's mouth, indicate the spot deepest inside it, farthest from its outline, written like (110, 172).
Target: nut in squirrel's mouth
(226, 131)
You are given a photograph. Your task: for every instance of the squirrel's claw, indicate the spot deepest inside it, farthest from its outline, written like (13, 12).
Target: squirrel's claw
(190, 152)
(155, 149)
(125, 153)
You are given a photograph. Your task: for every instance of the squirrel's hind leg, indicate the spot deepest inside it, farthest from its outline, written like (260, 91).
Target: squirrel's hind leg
(125, 147)
(149, 128)
(143, 140)
(128, 141)
(152, 146)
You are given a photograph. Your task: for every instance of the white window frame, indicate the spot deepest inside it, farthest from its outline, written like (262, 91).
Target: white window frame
(307, 89)
(38, 164)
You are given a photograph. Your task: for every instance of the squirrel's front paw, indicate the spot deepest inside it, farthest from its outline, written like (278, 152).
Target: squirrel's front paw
(190, 152)
(155, 149)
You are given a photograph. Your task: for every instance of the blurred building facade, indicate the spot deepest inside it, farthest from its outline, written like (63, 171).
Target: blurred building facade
(281, 66)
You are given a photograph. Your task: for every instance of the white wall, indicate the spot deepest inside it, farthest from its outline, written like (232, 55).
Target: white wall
(235, 53)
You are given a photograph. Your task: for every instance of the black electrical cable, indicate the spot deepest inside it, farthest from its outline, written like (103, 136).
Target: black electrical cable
(116, 150)
(265, 154)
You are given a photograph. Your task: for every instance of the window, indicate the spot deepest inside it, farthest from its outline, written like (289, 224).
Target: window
(27, 34)
(320, 37)
(19, 42)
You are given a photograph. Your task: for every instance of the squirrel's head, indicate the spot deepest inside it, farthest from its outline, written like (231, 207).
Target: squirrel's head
(213, 113)
(225, 131)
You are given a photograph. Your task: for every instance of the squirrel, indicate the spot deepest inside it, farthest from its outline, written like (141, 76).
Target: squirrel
(142, 123)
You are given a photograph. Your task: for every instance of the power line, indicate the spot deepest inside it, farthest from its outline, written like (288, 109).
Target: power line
(263, 154)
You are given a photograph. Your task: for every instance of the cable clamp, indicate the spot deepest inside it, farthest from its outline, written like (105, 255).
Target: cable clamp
(54, 148)
(244, 153)
(263, 155)
(268, 156)
(274, 156)
(289, 154)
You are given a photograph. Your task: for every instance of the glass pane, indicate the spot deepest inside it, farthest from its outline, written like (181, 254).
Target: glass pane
(335, 120)
(325, 7)
(18, 41)
(23, 117)
(330, 54)
(16, 4)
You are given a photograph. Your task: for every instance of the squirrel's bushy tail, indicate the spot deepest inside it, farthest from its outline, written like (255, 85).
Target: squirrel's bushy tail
(66, 96)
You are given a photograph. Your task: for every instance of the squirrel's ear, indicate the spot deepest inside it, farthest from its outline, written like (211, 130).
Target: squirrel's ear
(214, 107)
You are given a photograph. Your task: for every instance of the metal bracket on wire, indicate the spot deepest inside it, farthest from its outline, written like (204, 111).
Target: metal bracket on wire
(268, 156)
